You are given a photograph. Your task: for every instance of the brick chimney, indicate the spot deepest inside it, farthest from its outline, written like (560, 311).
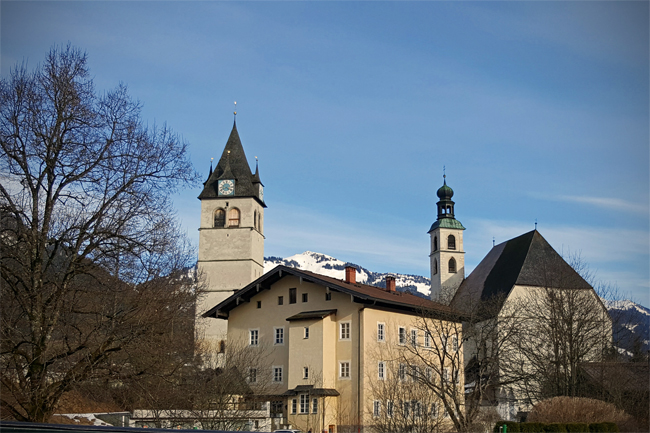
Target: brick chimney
(350, 274)
(390, 283)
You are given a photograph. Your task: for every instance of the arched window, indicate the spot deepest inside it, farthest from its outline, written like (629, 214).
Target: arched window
(435, 267)
(435, 243)
(259, 221)
(255, 220)
(452, 266)
(219, 218)
(451, 242)
(233, 217)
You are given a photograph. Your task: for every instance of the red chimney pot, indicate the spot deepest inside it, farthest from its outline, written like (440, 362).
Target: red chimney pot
(390, 283)
(350, 274)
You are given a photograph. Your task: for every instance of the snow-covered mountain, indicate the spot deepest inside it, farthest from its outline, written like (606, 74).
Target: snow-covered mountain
(631, 326)
(331, 267)
(631, 321)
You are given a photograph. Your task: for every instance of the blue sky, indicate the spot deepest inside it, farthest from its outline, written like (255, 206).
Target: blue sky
(538, 110)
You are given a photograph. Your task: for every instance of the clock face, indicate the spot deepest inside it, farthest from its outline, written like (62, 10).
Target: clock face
(226, 187)
(261, 192)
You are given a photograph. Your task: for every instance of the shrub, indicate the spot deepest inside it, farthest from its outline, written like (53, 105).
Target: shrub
(577, 427)
(555, 427)
(576, 410)
(531, 427)
(611, 427)
(604, 427)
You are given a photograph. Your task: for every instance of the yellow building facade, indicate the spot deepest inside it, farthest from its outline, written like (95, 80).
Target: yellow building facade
(331, 349)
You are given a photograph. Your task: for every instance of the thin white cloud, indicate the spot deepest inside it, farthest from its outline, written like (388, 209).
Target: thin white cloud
(616, 204)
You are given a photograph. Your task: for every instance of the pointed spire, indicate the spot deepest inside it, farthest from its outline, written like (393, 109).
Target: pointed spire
(209, 174)
(256, 176)
(233, 164)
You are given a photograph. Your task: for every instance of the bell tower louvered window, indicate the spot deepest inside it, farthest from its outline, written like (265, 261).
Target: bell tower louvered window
(233, 217)
(219, 218)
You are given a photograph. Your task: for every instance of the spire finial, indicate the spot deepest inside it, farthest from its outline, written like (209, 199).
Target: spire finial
(492, 241)
(256, 163)
(235, 112)
(444, 175)
(535, 223)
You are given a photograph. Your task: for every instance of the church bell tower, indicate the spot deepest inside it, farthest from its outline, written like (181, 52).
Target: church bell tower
(231, 234)
(447, 255)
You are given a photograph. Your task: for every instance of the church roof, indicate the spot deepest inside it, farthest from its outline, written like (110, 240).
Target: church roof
(233, 165)
(527, 260)
(373, 297)
(446, 223)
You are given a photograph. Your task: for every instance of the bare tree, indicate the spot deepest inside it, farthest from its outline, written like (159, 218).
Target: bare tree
(400, 400)
(561, 325)
(91, 257)
(230, 389)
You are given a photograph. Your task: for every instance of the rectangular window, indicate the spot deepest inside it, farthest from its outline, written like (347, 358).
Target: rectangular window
(445, 375)
(304, 403)
(314, 405)
(294, 406)
(434, 410)
(414, 337)
(328, 296)
(252, 375)
(304, 297)
(406, 409)
(414, 372)
(344, 369)
(417, 408)
(276, 408)
(279, 335)
(277, 374)
(381, 370)
(280, 300)
(254, 337)
(306, 334)
(305, 372)
(402, 335)
(443, 341)
(292, 296)
(429, 373)
(259, 304)
(401, 373)
(381, 336)
(345, 331)
(427, 339)
(376, 408)
(389, 408)
(454, 343)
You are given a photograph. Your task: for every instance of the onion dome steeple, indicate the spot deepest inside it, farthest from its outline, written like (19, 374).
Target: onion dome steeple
(445, 205)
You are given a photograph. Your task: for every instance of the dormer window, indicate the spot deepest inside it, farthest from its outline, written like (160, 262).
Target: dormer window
(233, 217)
(219, 218)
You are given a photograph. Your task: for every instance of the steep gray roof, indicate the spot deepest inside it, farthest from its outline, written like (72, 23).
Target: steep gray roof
(233, 165)
(527, 260)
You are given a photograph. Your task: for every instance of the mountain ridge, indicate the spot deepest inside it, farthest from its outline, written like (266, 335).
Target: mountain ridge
(631, 321)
